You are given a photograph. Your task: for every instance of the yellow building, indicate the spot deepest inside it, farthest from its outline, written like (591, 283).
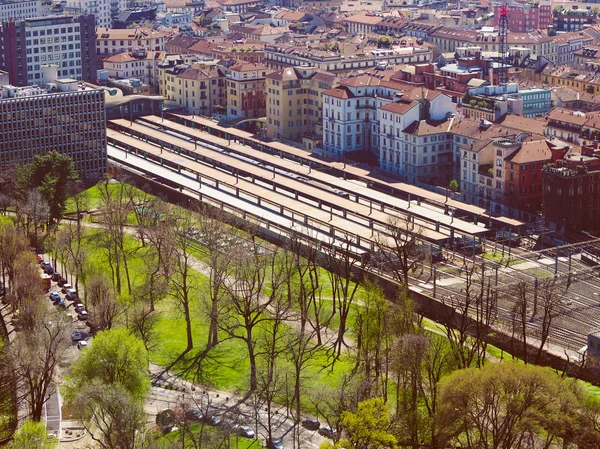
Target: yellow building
(246, 90)
(197, 88)
(294, 106)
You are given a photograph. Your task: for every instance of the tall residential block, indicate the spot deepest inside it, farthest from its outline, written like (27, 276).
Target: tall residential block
(19, 9)
(69, 120)
(65, 42)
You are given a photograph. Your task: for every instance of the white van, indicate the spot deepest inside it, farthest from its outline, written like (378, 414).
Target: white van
(71, 294)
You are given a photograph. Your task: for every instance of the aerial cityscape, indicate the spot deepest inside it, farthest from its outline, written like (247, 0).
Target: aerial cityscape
(327, 224)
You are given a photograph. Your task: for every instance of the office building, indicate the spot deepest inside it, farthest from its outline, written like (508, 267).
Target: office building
(66, 42)
(70, 120)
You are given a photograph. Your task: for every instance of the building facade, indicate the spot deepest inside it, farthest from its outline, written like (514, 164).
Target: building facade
(101, 9)
(198, 89)
(20, 10)
(72, 122)
(524, 18)
(246, 91)
(111, 41)
(65, 42)
(294, 102)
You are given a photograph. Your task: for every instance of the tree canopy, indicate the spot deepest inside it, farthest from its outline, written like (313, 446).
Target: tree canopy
(52, 174)
(369, 427)
(507, 405)
(116, 357)
(33, 434)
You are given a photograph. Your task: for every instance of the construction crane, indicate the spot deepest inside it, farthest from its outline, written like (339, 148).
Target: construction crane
(503, 45)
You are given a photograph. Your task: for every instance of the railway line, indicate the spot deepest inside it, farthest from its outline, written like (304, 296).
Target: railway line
(336, 205)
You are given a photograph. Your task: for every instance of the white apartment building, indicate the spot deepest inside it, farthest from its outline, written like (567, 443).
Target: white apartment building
(394, 118)
(139, 64)
(101, 9)
(20, 9)
(350, 113)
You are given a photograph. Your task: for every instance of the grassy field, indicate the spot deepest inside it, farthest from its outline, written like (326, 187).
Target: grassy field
(174, 439)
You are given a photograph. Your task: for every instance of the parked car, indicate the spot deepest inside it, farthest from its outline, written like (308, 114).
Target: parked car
(83, 315)
(71, 294)
(82, 344)
(39, 258)
(275, 443)
(214, 420)
(76, 336)
(60, 304)
(245, 431)
(327, 432)
(56, 276)
(48, 269)
(78, 307)
(61, 282)
(194, 415)
(54, 297)
(311, 424)
(65, 287)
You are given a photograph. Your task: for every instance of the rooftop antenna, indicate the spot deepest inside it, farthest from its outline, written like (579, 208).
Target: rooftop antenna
(502, 34)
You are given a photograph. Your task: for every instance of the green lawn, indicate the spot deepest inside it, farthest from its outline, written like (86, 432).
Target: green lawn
(502, 259)
(94, 197)
(174, 439)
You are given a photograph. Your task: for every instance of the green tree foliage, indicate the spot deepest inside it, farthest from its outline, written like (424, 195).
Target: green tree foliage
(33, 434)
(369, 427)
(52, 174)
(509, 405)
(116, 357)
(453, 185)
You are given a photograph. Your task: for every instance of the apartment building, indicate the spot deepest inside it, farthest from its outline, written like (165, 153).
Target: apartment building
(537, 42)
(141, 64)
(473, 158)
(571, 196)
(66, 42)
(294, 105)
(70, 121)
(525, 17)
(101, 9)
(286, 55)
(523, 175)
(350, 113)
(198, 88)
(111, 41)
(19, 9)
(246, 91)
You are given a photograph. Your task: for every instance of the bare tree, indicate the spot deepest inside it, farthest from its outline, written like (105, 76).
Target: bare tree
(518, 315)
(399, 248)
(219, 242)
(69, 245)
(342, 263)
(408, 356)
(113, 419)
(551, 304)
(100, 300)
(143, 322)
(156, 230)
(116, 208)
(183, 277)
(372, 335)
(253, 271)
(459, 322)
(12, 242)
(35, 356)
(36, 211)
